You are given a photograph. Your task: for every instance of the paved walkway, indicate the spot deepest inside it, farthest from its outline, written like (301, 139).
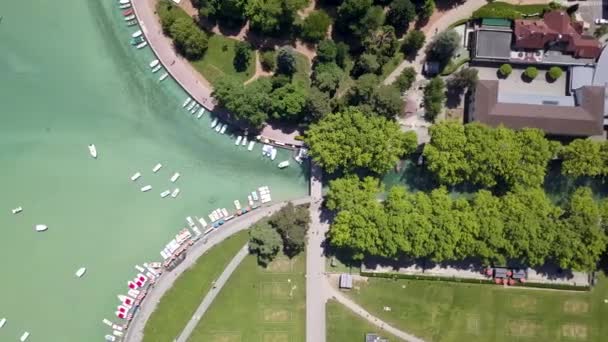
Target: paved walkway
(354, 307)
(220, 282)
(316, 294)
(181, 70)
(165, 282)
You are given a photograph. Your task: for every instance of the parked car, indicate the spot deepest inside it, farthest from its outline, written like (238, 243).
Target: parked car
(601, 21)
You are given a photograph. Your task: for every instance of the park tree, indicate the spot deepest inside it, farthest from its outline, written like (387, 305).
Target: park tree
(361, 92)
(381, 43)
(268, 60)
(350, 13)
(265, 242)
(341, 54)
(292, 223)
(317, 105)
(167, 17)
(554, 73)
(584, 157)
(288, 102)
(315, 25)
(249, 103)
(349, 192)
(268, 16)
(443, 46)
(373, 19)
(535, 152)
(326, 51)
(487, 209)
(445, 154)
(400, 14)
(413, 41)
(230, 12)
(531, 72)
(351, 140)
(426, 9)
(242, 56)
(505, 70)
(464, 79)
(386, 101)
(189, 40)
(326, 77)
(406, 79)
(434, 97)
(286, 61)
(367, 63)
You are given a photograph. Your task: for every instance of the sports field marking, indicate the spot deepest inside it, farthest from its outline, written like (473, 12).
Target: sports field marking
(523, 328)
(574, 331)
(275, 336)
(574, 306)
(274, 315)
(275, 290)
(522, 302)
(226, 336)
(281, 264)
(473, 324)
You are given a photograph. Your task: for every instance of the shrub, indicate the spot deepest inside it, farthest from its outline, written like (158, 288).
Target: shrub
(531, 72)
(406, 79)
(268, 60)
(555, 73)
(505, 70)
(315, 26)
(413, 41)
(242, 55)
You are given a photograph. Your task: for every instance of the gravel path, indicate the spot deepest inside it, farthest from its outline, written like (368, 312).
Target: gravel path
(135, 333)
(217, 287)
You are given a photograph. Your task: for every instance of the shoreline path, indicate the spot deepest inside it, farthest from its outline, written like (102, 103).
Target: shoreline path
(182, 71)
(135, 333)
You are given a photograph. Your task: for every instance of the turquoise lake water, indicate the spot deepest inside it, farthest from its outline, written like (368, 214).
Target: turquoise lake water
(68, 78)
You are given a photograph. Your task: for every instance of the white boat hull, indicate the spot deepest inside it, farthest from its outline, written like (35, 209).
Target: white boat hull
(93, 151)
(81, 271)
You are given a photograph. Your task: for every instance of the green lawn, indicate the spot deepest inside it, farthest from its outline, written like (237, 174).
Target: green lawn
(444, 311)
(343, 325)
(179, 303)
(302, 74)
(258, 305)
(217, 61)
(391, 65)
(499, 9)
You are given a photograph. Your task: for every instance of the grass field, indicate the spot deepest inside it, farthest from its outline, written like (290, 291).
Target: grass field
(258, 305)
(217, 61)
(443, 311)
(179, 303)
(500, 9)
(344, 325)
(302, 74)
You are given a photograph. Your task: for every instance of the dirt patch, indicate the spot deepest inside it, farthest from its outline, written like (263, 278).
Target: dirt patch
(276, 315)
(575, 331)
(574, 306)
(275, 336)
(523, 328)
(227, 336)
(473, 326)
(280, 265)
(527, 303)
(275, 290)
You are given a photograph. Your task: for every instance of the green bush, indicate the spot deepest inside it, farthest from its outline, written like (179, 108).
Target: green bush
(505, 70)
(453, 66)
(268, 60)
(315, 26)
(555, 73)
(508, 11)
(531, 72)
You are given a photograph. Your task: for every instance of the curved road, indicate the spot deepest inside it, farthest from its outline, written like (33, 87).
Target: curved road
(135, 332)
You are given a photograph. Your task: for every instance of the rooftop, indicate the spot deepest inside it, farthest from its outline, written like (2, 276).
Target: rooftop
(492, 43)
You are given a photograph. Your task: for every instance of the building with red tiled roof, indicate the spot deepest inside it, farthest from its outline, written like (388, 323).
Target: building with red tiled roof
(556, 31)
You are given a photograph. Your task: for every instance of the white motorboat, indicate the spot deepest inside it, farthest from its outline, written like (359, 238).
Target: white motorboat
(124, 6)
(24, 336)
(244, 141)
(237, 204)
(165, 193)
(117, 333)
(133, 293)
(223, 130)
(211, 218)
(225, 212)
(154, 63)
(139, 268)
(81, 271)
(137, 34)
(218, 127)
(192, 104)
(131, 17)
(142, 45)
(157, 68)
(157, 167)
(93, 150)
(17, 210)
(174, 177)
(238, 140)
(254, 195)
(188, 100)
(146, 188)
(273, 153)
(122, 2)
(2, 322)
(190, 221)
(200, 113)
(175, 193)
(266, 149)
(41, 227)
(251, 144)
(107, 322)
(163, 77)
(196, 107)
(202, 222)
(110, 338)
(135, 176)
(283, 164)
(214, 122)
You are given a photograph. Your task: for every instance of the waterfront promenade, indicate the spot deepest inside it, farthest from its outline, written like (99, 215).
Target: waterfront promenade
(184, 73)
(135, 333)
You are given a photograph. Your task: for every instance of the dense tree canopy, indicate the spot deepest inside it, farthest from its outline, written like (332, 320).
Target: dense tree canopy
(405, 80)
(242, 55)
(318, 104)
(265, 242)
(327, 76)
(326, 51)
(288, 102)
(523, 225)
(292, 223)
(268, 16)
(249, 103)
(231, 12)
(584, 157)
(443, 46)
(413, 41)
(189, 40)
(286, 61)
(381, 43)
(434, 97)
(400, 14)
(487, 156)
(315, 25)
(352, 140)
